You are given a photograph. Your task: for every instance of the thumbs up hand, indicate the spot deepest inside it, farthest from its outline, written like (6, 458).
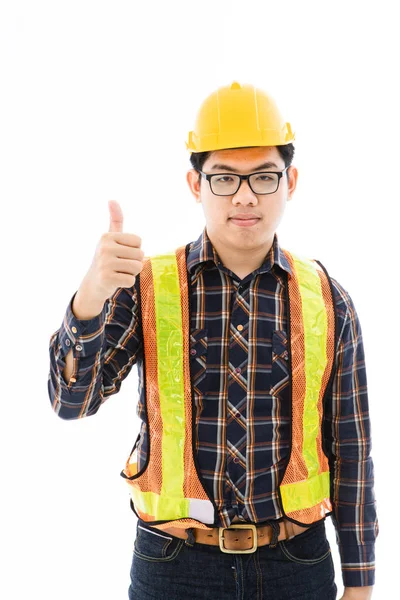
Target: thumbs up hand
(117, 260)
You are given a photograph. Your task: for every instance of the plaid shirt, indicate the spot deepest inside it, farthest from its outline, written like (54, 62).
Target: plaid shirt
(241, 385)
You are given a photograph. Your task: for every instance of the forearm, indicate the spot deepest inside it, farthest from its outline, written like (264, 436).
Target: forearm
(69, 366)
(356, 543)
(102, 351)
(347, 435)
(84, 307)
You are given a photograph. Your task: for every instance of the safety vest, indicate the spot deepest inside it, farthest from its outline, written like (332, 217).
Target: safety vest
(169, 490)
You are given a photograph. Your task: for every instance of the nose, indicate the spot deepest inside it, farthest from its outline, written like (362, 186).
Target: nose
(244, 195)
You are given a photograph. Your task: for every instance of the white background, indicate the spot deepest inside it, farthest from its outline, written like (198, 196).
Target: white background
(97, 99)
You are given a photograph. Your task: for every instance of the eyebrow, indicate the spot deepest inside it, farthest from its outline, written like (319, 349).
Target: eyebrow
(266, 165)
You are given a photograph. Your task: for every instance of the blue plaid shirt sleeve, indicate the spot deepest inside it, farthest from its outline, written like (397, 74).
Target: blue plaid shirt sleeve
(347, 433)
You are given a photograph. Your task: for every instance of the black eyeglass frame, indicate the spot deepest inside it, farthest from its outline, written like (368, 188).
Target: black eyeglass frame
(208, 176)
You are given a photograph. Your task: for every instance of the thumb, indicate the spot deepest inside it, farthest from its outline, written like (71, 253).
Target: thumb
(116, 216)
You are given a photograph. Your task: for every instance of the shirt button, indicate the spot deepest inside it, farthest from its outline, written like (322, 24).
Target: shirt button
(78, 347)
(67, 342)
(240, 327)
(74, 329)
(193, 352)
(236, 460)
(238, 370)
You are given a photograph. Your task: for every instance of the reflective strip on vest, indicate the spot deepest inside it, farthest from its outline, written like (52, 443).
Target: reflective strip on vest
(305, 488)
(169, 488)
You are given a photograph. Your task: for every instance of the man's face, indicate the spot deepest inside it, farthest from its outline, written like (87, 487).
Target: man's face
(219, 211)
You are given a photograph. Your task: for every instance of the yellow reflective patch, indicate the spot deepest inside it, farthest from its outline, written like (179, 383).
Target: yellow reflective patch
(162, 507)
(168, 312)
(315, 323)
(305, 494)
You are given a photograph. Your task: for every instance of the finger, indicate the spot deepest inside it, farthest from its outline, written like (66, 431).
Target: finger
(129, 251)
(128, 239)
(116, 216)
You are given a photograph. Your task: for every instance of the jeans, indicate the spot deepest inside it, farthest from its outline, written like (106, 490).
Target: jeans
(165, 568)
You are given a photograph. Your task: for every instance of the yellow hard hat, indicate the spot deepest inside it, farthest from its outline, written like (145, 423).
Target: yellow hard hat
(235, 116)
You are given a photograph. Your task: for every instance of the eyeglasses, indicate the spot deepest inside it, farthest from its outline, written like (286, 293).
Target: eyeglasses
(227, 184)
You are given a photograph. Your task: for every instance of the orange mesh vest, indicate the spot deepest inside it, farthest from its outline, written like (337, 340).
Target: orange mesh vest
(169, 489)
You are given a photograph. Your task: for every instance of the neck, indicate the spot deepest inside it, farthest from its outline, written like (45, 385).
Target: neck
(241, 261)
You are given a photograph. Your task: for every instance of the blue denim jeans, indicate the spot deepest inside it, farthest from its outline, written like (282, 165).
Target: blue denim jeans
(165, 568)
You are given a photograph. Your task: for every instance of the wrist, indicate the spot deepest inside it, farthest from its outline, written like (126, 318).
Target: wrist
(358, 593)
(85, 305)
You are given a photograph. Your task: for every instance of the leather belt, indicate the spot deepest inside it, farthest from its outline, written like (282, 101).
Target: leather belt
(240, 538)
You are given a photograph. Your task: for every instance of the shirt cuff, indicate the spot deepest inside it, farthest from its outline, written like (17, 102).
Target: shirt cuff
(85, 336)
(358, 565)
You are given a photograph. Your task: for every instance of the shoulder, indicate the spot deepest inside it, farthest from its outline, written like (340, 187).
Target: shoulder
(341, 295)
(342, 298)
(345, 308)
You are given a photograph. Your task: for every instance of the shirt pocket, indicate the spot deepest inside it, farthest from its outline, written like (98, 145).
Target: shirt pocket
(198, 363)
(280, 362)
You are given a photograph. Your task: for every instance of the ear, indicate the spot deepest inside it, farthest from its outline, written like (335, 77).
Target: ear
(292, 181)
(193, 179)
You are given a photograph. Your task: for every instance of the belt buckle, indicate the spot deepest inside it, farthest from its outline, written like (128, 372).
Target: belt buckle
(238, 526)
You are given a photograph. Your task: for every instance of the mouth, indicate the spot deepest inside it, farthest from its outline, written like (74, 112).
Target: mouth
(244, 222)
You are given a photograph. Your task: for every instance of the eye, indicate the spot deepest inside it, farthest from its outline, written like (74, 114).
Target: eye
(264, 177)
(224, 178)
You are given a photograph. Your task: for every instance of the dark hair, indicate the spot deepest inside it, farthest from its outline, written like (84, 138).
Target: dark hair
(198, 159)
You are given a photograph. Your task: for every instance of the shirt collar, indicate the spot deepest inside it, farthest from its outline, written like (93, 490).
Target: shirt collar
(202, 250)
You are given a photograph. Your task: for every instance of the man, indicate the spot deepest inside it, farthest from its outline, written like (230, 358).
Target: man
(253, 395)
